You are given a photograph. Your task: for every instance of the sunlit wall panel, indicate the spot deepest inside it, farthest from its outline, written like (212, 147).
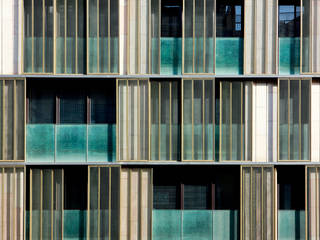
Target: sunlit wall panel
(135, 203)
(12, 203)
(133, 119)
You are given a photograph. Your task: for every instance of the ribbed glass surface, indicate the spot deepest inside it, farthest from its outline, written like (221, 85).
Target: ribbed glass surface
(291, 224)
(289, 55)
(171, 55)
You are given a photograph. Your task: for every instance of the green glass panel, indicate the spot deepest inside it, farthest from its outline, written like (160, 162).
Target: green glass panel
(171, 55)
(166, 224)
(229, 55)
(294, 120)
(289, 55)
(305, 120)
(93, 64)
(197, 224)
(60, 55)
(27, 54)
(291, 224)
(226, 224)
(74, 224)
(102, 143)
(114, 55)
(40, 142)
(27, 225)
(38, 55)
(283, 120)
(71, 143)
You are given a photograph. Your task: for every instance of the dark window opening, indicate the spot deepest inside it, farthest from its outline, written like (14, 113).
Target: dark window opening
(230, 18)
(289, 18)
(171, 18)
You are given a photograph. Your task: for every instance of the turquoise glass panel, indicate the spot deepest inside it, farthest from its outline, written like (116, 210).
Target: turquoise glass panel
(28, 54)
(93, 61)
(71, 143)
(291, 224)
(114, 55)
(166, 224)
(229, 55)
(74, 224)
(188, 54)
(197, 224)
(171, 51)
(40, 142)
(226, 224)
(289, 55)
(102, 143)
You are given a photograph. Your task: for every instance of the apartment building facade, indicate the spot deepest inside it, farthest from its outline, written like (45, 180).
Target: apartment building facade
(159, 119)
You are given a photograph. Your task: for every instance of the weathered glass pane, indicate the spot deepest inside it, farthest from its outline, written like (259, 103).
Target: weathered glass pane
(305, 120)
(294, 120)
(187, 120)
(197, 224)
(166, 224)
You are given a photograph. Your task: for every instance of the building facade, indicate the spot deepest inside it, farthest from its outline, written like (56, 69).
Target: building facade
(160, 119)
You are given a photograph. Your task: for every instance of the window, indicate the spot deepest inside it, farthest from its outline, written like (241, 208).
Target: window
(294, 119)
(289, 18)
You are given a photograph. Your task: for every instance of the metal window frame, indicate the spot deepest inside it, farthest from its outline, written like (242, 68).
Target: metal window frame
(307, 191)
(109, 184)
(203, 119)
(204, 72)
(243, 125)
(274, 204)
(159, 83)
(299, 109)
(52, 170)
(15, 109)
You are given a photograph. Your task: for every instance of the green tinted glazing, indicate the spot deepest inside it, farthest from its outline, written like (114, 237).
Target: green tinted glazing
(197, 224)
(289, 55)
(166, 224)
(226, 224)
(74, 224)
(229, 55)
(27, 54)
(71, 143)
(102, 143)
(40, 143)
(291, 224)
(171, 50)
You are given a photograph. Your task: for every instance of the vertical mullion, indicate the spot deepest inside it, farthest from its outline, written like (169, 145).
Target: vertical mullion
(14, 202)
(32, 33)
(192, 121)
(230, 149)
(43, 34)
(76, 33)
(109, 38)
(109, 203)
(41, 202)
(88, 204)
(4, 157)
(213, 119)
(98, 35)
(170, 120)
(203, 120)
(300, 119)
(288, 119)
(52, 199)
(62, 200)
(127, 120)
(159, 124)
(251, 193)
(193, 36)
(14, 135)
(65, 35)
(30, 203)
(241, 115)
(139, 119)
(98, 197)
(204, 35)
(220, 121)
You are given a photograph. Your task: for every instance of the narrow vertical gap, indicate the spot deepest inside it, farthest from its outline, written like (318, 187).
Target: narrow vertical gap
(98, 198)
(98, 36)
(204, 34)
(230, 148)
(88, 203)
(65, 36)
(109, 203)
(76, 33)
(41, 203)
(300, 119)
(193, 36)
(43, 34)
(32, 30)
(170, 120)
(288, 118)
(109, 38)
(192, 117)
(203, 120)
(159, 124)
(15, 132)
